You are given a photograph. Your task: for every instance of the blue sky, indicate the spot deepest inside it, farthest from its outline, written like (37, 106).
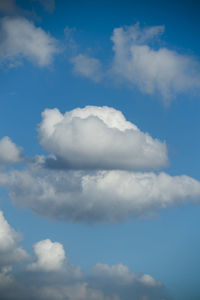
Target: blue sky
(99, 150)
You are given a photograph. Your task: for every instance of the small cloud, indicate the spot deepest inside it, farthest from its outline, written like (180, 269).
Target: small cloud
(87, 66)
(49, 256)
(9, 152)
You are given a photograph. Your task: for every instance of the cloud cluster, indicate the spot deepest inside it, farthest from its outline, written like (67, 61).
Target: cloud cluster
(96, 173)
(20, 39)
(53, 277)
(98, 138)
(9, 152)
(142, 64)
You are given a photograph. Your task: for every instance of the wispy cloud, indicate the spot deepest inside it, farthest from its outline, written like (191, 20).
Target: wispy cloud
(87, 66)
(140, 62)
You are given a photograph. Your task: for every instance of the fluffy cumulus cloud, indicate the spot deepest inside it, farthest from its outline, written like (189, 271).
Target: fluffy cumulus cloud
(150, 69)
(87, 66)
(98, 138)
(47, 280)
(9, 152)
(101, 196)
(20, 39)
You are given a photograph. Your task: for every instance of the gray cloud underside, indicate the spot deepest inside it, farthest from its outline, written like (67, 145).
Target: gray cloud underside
(102, 196)
(49, 275)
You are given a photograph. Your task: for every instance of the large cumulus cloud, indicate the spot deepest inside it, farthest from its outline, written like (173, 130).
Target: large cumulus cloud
(51, 276)
(101, 196)
(98, 138)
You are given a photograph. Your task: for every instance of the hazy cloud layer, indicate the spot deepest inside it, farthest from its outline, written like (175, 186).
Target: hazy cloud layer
(9, 151)
(102, 196)
(21, 39)
(55, 278)
(98, 138)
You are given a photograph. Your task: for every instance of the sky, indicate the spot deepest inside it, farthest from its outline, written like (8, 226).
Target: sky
(99, 150)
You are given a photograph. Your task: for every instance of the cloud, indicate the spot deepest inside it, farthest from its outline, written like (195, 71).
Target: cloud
(52, 279)
(98, 138)
(87, 67)
(50, 256)
(150, 69)
(10, 252)
(20, 39)
(101, 196)
(140, 62)
(9, 152)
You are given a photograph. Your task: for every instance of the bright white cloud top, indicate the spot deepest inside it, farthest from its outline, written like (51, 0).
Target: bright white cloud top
(99, 138)
(20, 39)
(51, 279)
(9, 151)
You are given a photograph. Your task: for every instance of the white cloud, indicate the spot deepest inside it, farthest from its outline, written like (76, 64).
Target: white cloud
(87, 66)
(152, 70)
(9, 152)
(102, 196)
(105, 282)
(99, 138)
(50, 256)
(140, 62)
(20, 38)
(10, 252)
